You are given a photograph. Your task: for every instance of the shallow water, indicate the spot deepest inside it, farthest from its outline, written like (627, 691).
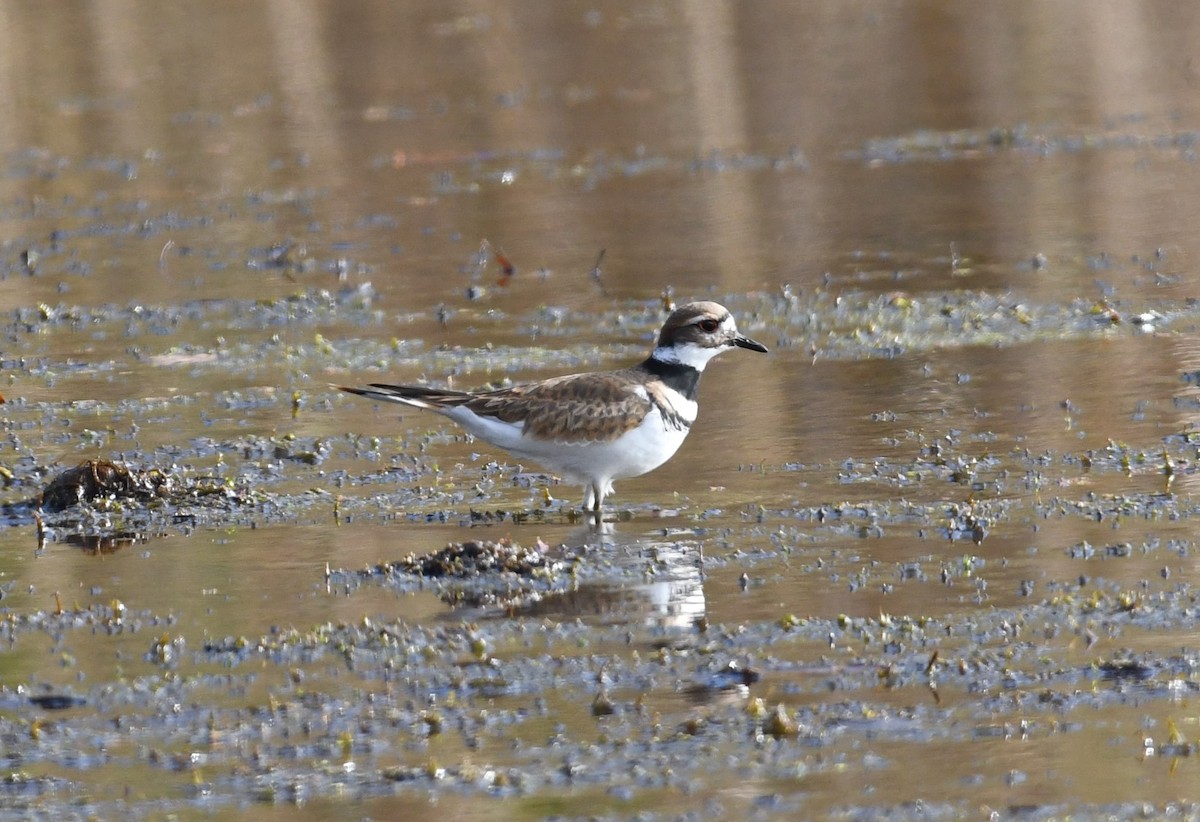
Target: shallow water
(947, 521)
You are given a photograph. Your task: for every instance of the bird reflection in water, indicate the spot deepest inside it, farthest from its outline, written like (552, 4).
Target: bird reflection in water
(656, 581)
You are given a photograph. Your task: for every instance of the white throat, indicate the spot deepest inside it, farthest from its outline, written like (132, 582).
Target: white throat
(689, 354)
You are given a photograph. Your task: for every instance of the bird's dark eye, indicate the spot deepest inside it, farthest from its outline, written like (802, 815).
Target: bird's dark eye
(708, 326)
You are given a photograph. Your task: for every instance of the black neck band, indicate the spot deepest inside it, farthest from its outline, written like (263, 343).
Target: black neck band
(680, 377)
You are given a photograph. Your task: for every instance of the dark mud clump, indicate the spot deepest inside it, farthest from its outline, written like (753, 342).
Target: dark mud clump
(102, 505)
(93, 479)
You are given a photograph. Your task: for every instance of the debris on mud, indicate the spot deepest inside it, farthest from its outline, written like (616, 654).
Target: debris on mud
(482, 573)
(474, 558)
(57, 702)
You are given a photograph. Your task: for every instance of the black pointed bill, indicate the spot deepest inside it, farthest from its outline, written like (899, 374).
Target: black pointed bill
(746, 342)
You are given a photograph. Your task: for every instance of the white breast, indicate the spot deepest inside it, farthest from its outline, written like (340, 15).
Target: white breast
(643, 449)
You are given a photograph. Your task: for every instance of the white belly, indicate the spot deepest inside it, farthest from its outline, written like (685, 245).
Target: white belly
(632, 454)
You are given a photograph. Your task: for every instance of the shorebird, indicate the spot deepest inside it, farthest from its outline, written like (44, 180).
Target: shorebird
(601, 426)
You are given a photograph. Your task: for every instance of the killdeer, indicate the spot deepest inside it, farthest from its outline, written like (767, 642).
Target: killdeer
(598, 427)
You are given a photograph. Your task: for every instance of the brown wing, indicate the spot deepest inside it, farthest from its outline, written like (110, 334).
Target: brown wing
(590, 407)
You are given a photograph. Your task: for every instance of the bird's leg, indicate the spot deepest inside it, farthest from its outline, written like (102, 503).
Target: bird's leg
(600, 490)
(593, 502)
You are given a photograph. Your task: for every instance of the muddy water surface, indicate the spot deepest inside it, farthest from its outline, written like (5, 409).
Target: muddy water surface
(931, 557)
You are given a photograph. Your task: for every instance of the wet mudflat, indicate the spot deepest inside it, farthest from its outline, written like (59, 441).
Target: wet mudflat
(930, 558)
(1016, 621)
